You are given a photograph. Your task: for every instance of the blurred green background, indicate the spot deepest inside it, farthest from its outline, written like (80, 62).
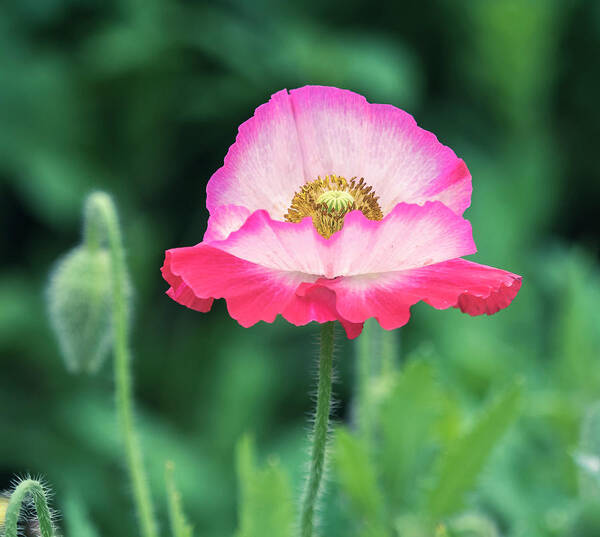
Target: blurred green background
(143, 98)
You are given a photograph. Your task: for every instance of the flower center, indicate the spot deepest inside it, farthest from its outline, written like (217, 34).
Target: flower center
(327, 200)
(335, 200)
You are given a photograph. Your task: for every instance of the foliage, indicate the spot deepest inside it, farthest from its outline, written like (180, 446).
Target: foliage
(466, 456)
(423, 493)
(266, 506)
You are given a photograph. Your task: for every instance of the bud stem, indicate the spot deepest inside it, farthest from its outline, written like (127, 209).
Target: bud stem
(36, 489)
(101, 219)
(320, 433)
(94, 219)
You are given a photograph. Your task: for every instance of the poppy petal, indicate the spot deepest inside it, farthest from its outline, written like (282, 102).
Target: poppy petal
(473, 288)
(410, 236)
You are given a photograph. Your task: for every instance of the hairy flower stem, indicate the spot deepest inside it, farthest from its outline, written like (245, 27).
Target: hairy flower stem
(320, 433)
(36, 489)
(101, 215)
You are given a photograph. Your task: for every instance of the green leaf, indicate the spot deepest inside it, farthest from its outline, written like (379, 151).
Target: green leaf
(449, 425)
(266, 506)
(461, 465)
(358, 480)
(588, 455)
(408, 418)
(179, 524)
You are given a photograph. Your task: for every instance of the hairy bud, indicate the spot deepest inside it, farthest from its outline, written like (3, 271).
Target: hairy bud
(85, 286)
(79, 302)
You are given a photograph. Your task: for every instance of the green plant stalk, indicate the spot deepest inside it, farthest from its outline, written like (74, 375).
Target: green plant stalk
(376, 359)
(364, 404)
(102, 205)
(36, 489)
(76, 517)
(389, 351)
(320, 433)
(179, 524)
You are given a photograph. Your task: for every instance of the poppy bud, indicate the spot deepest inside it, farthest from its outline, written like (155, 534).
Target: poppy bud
(79, 302)
(82, 286)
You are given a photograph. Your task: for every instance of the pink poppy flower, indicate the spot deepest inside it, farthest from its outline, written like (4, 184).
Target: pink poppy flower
(330, 208)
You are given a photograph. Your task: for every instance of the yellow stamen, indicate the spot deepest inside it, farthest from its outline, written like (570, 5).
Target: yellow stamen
(327, 200)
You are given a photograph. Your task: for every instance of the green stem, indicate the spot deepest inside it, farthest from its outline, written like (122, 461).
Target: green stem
(76, 517)
(320, 433)
(179, 524)
(36, 489)
(376, 359)
(389, 351)
(100, 205)
(364, 366)
(94, 220)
